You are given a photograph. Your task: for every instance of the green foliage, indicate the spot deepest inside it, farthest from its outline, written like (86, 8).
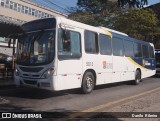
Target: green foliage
(84, 17)
(94, 12)
(141, 24)
(138, 23)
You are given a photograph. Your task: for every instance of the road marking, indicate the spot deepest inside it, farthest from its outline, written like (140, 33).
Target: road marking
(114, 102)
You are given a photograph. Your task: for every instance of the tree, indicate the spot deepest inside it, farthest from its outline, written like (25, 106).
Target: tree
(94, 12)
(132, 3)
(140, 24)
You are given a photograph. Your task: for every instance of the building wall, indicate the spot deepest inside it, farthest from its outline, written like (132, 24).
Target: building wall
(25, 11)
(22, 11)
(16, 15)
(6, 51)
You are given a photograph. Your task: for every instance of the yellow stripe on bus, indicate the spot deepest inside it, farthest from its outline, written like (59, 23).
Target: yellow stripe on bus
(135, 63)
(107, 33)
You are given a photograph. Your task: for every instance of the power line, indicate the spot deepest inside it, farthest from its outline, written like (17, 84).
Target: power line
(51, 2)
(62, 4)
(47, 4)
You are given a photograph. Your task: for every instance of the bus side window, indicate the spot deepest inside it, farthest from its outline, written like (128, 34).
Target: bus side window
(91, 42)
(105, 44)
(117, 44)
(145, 51)
(69, 44)
(137, 50)
(128, 48)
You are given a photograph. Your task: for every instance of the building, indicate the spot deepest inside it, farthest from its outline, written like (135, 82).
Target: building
(14, 13)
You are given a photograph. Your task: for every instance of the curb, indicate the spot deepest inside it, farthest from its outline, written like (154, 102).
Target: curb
(6, 83)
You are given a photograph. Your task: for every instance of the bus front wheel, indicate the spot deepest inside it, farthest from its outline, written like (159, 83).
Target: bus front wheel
(88, 83)
(137, 77)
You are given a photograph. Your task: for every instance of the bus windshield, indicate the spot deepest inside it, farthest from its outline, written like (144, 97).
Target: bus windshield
(36, 48)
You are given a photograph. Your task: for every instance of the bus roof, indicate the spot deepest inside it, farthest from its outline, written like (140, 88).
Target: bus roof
(71, 23)
(110, 32)
(129, 38)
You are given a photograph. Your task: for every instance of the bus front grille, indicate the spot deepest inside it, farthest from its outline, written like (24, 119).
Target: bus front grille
(32, 82)
(27, 69)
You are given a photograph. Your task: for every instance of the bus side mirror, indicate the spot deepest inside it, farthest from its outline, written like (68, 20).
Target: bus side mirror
(65, 35)
(66, 40)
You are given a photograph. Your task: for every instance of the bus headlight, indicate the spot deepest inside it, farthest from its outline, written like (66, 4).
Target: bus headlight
(48, 73)
(17, 73)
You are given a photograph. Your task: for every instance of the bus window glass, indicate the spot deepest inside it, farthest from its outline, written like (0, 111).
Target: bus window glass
(36, 48)
(105, 44)
(151, 52)
(137, 50)
(75, 42)
(91, 42)
(117, 47)
(145, 51)
(69, 43)
(128, 48)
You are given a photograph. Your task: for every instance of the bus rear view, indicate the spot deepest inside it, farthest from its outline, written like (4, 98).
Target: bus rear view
(157, 54)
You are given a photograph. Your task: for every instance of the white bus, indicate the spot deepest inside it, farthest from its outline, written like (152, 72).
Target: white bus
(59, 54)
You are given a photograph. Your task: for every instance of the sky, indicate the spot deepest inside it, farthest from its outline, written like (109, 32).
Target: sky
(150, 2)
(64, 5)
(59, 5)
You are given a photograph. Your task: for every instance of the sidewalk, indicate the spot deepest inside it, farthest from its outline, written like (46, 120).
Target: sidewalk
(6, 83)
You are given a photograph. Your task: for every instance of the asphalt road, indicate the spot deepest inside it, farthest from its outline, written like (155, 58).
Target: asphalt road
(119, 97)
(103, 98)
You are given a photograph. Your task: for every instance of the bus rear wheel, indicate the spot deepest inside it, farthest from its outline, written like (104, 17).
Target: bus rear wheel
(88, 83)
(137, 77)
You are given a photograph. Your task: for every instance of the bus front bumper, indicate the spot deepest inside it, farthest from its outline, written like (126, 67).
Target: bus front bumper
(35, 83)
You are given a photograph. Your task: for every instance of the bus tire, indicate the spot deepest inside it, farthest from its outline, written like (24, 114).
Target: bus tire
(88, 83)
(137, 77)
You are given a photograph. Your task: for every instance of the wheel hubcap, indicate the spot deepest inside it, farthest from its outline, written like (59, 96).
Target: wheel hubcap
(89, 82)
(138, 77)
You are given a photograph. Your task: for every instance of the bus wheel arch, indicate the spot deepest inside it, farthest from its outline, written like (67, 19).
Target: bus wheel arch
(88, 81)
(138, 76)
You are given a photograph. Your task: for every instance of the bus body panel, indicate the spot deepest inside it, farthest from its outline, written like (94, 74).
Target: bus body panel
(129, 70)
(69, 74)
(118, 65)
(102, 67)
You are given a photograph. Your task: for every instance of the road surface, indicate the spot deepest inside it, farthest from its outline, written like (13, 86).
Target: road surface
(119, 97)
